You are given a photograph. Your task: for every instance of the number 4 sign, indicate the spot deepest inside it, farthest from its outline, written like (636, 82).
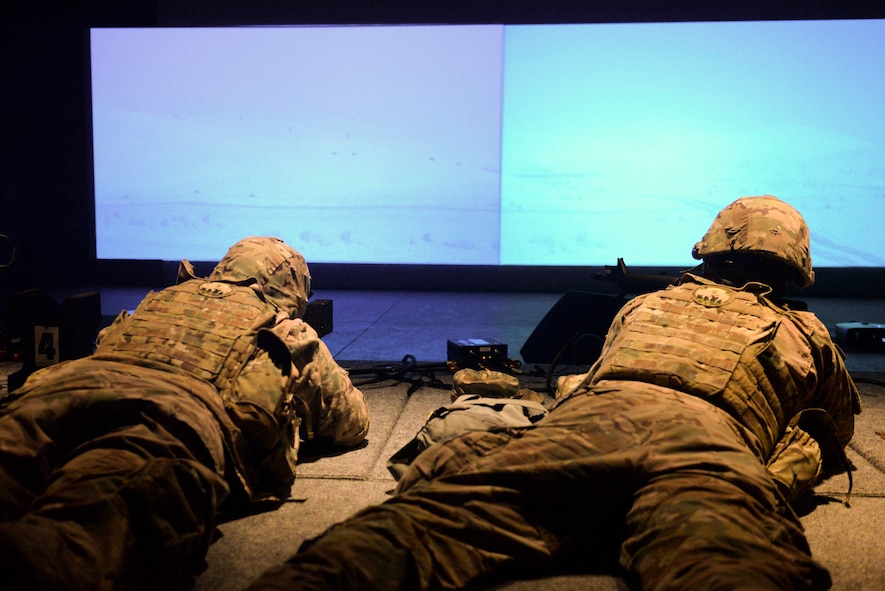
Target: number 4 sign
(45, 345)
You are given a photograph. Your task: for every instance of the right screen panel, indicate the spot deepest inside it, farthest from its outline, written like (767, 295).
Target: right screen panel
(624, 140)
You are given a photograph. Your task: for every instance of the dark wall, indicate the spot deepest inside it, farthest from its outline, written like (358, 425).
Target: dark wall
(45, 169)
(234, 12)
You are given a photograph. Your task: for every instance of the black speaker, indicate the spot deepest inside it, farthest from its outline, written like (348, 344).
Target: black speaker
(44, 333)
(79, 320)
(574, 329)
(319, 316)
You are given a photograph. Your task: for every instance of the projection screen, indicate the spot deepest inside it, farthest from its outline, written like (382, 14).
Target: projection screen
(485, 144)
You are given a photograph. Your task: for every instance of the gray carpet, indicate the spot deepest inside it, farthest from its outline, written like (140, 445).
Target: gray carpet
(328, 489)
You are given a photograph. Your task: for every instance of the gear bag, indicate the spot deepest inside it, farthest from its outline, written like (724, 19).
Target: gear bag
(469, 412)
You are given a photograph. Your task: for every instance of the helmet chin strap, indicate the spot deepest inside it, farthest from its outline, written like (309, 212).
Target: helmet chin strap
(737, 271)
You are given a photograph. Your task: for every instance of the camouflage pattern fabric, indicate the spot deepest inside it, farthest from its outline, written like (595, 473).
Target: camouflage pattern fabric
(796, 462)
(484, 382)
(638, 475)
(764, 225)
(493, 384)
(627, 472)
(275, 269)
(747, 356)
(717, 342)
(206, 328)
(468, 412)
(277, 378)
(113, 468)
(109, 473)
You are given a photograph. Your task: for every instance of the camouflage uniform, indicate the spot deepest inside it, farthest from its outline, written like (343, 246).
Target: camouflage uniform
(113, 468)
(653, 462)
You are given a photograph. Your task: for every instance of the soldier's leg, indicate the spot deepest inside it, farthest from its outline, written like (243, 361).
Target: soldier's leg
(710, 518)
(440, 534)
(132, 505)
(141, 530)
(480, 505)
(23, 474)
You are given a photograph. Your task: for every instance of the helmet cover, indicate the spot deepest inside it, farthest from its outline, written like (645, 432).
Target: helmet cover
(761, 225)
(278, 271)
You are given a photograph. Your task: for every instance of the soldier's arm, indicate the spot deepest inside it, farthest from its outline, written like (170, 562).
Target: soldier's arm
(331, 408)
(795, 463)
(814, 440)
(836, 392)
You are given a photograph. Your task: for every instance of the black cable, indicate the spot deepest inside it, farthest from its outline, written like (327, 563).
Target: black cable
(426, 374)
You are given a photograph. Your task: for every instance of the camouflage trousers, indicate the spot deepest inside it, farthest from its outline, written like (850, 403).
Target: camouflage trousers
(110, 478)
(661, 486)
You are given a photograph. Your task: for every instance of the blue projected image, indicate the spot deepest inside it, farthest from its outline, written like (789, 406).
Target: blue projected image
(513, 145)
(642, 132)
(354, 144)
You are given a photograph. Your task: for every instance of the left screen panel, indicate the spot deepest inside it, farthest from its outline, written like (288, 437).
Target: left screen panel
(353, 144)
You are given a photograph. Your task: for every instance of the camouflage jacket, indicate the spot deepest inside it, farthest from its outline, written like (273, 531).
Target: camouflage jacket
(775, 370)
(277, 381)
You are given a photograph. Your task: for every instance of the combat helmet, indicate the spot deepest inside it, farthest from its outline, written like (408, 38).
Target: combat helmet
(761, 225)
(278, 271)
